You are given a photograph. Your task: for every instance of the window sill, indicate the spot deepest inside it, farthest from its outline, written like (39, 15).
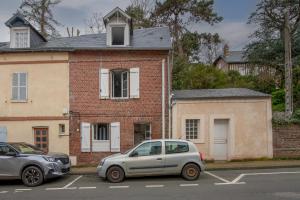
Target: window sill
(19, 101)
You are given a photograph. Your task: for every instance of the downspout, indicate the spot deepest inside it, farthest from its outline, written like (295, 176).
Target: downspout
(169, 98)
(163, 98)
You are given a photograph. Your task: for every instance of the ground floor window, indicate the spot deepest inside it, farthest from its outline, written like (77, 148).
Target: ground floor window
(142, 131)
(192, 129)
(41, 138)
(101, 132)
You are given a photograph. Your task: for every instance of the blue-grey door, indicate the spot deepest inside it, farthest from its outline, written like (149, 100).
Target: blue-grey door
(3, 134)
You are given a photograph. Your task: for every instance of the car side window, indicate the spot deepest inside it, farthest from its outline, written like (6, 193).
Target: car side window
(176, 147)
(4, 150)
(147, 149)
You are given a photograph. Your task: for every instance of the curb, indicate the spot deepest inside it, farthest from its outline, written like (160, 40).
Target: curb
(209, 169)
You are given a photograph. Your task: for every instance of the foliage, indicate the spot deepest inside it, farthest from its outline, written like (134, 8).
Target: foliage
(278, 100)
(40, 13)
(95, 23)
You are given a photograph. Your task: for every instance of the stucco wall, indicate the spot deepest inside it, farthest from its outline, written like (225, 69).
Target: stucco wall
(250, 128)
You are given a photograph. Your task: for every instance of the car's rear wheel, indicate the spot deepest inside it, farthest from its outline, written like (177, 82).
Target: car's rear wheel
(115, 174)
(191, 172)
(32, 176)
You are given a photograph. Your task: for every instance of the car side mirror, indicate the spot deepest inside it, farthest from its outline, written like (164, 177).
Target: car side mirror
(11, 153)
(134, 154)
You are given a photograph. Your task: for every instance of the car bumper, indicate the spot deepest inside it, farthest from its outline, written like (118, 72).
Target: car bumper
(55, 170)
(101, 172)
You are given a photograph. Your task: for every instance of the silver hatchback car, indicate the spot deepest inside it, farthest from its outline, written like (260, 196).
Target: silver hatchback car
(155, 157)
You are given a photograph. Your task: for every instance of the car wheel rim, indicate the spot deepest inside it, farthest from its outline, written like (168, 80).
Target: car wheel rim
(115, 174)
(32, 176)
(191, 172)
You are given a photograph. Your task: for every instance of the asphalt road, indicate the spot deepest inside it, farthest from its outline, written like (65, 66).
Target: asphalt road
(264, 184)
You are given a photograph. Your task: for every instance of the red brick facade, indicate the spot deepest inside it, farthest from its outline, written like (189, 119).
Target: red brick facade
(86, 105)
(286, 141)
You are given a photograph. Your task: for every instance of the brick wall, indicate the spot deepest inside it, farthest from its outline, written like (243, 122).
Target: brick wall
(286, 141)
(87, 107)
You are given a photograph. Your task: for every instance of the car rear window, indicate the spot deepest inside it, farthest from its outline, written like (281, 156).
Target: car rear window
(176, 147)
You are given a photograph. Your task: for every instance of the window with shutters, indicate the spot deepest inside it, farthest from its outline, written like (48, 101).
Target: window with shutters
(19, 86)
(101, 132)
(119, 84)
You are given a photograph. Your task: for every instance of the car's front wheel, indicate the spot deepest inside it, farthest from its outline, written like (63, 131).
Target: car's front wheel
(190, 172)
(115, 174)
(32, 176)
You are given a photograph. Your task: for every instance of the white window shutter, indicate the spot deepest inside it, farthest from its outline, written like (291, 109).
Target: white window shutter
(134, 83)
(115, 137)
(104, 83)
(3, 134)
(85, 129)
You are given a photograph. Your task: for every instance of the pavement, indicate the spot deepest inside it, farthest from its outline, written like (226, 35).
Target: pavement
(266, 184)
(266, 164)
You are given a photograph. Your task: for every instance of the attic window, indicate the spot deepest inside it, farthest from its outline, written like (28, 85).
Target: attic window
(20, 38)
(117, 34)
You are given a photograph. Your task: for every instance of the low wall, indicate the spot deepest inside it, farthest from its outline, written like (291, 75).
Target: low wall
(286, 141)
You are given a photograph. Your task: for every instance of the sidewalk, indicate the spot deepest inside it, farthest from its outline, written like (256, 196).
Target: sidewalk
(217, 166)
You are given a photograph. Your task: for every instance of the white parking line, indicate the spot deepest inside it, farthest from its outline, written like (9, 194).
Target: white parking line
(3, 192)
(189, 185)
(69, 188)
(217, 177)
(69, 184)
(119, 187)
(24, 189)
(86, 188)
(154, 186)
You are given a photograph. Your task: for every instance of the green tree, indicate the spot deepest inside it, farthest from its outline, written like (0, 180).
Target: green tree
(40, 13)
(179, 14)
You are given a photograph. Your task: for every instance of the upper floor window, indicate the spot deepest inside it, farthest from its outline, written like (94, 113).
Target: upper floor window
(19, 86)
(20, 38)
(192, 129)
(119, 84)
(117, 34)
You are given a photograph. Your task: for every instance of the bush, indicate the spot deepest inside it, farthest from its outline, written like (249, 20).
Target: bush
(278, 101)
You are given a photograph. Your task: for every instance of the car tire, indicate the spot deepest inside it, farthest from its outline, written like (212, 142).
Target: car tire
(191, 172)
(115, 174)
(32, 176)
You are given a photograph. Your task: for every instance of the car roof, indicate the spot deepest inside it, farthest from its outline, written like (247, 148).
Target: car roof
(164, 140)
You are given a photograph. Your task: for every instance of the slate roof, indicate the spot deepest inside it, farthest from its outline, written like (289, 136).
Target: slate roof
(233, 57)
(217, 93)
(157, 38)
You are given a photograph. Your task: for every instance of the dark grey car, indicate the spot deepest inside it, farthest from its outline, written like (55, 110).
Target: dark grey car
(28, 163)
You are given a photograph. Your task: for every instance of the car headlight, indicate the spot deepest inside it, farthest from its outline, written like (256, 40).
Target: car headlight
(102, 162)
(49, 159)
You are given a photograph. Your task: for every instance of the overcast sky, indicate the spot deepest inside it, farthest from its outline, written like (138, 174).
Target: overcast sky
(233, 29)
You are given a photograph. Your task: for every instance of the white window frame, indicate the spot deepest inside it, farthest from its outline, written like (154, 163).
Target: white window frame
(201, 125)
(111, 34)
(18, 87)
(112, 84)
(13, 33)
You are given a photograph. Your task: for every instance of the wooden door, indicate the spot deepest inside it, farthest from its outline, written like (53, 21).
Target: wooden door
(41, 138)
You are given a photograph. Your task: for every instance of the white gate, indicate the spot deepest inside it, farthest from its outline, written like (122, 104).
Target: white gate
(3, 134)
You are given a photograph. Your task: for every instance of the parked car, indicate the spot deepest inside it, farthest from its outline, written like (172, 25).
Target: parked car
(155, 157)
(30, 164)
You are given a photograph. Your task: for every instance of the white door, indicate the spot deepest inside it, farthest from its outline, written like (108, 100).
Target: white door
(3, 134)
(221, 127)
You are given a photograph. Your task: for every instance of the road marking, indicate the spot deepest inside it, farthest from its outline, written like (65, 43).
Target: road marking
(154, 186)
(3, 192)
(263, 173)
(23, 189)
(69, 184)
(119, 187)
(217, 177)
(86, 188)
(230, 183)
(189, 185)
(69, 188)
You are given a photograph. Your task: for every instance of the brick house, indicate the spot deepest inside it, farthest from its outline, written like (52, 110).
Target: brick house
(119, 86)
(106, 92)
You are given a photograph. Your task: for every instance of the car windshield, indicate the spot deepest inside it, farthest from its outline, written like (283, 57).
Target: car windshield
(26, 148)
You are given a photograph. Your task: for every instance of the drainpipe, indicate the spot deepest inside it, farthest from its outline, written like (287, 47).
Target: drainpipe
(169, 97)
(163, 98)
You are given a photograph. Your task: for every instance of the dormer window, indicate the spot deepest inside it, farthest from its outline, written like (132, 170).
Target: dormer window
(117, 34)
(20, 38)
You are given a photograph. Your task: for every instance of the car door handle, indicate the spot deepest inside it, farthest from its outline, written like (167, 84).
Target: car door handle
(158, 158)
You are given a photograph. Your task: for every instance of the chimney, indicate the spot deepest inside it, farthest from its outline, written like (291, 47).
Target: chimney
(225, 50)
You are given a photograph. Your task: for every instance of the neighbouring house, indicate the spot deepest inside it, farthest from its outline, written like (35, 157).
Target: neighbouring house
(225, 124)
(88, 96)
(34, 89)
(237, 61)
